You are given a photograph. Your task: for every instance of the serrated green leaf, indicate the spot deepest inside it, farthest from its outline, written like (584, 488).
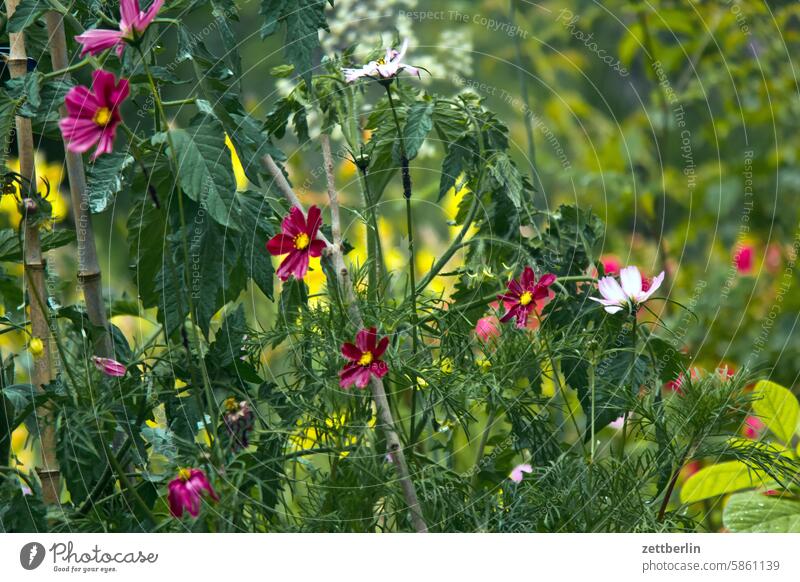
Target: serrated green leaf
(303, 20)
(106, 178)
(27, 12)
(418, 124)
(205, 170)
(507, 177)
(758, 513)
(778, 408)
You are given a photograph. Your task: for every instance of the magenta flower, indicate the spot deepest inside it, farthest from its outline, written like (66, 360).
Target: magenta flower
(522, 295)
(753, 427)
(186, 491)
(109, 367)
(611, 264)
(93, 116)
(743, 258)
(365, 359)
(386, 67)
(132, 24)
(633, 291)
(517, 472)
(298, 239)
(487, 328)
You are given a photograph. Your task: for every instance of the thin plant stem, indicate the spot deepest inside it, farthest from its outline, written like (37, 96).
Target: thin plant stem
(412, 292)
(382, 406)
(185, 247)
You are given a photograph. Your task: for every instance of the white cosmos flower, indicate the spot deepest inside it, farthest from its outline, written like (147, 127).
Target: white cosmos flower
(385, 68)
(616, 297)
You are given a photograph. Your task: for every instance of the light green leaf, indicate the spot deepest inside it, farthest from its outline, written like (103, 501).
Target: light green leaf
(758, 513)
(721, 479)
(778, 408)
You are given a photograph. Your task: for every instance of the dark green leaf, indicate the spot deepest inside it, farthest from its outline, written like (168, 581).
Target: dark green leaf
(105, 178)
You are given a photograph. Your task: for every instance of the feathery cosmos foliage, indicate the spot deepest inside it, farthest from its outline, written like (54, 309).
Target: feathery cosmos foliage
(510, 373)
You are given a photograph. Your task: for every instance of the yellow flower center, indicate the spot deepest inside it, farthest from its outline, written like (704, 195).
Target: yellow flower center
(230, 404)
(525, 298)
(103, 116)
(381, 61)
(301, 241)
(366, 359)
(184, 474)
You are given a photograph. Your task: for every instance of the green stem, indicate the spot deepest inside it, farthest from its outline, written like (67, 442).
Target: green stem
(123, 477)
(592, 420)
(61, 72)
(409, 219)
(633, 375)
(557, 381)
(211, 426)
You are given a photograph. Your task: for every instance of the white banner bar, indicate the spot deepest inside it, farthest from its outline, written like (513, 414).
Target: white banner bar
(402, 557)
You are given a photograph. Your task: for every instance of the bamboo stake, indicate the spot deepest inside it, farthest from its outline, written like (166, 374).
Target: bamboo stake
(34, 275)
(334, 250)
(89, 274)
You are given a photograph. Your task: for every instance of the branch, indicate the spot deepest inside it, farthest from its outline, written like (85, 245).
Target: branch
(34, 276)
(89, 274)
(393, 445)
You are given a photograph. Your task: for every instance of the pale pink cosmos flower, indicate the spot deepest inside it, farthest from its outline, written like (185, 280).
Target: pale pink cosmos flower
(753, 427)
(611, 264)
(109, 367)
(517, 472)
(630, 293)
(487, 328)
(132, 23)
(386, 67)
(93, 115)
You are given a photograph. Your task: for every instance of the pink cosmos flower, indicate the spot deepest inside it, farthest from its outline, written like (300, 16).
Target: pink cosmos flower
(631, 293)
(109, 367)
(611, 264)
(298, 239)
(773, 258)
(386, 67)
(365, 359)
(186, 491)
(522, 295)
(487, 328)
(132, 24)
(743, 259)
(676, 385)
(93, 116)
(517, 472)
(753, 427)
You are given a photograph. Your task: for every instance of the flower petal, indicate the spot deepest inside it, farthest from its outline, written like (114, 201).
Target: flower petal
(653, 287)
(631, 280)
(280, 244)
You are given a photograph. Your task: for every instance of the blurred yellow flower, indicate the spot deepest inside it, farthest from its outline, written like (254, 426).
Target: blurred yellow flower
(54, 174)
(483, 364)
(36, 347)
(238, 169)
(446, 366)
